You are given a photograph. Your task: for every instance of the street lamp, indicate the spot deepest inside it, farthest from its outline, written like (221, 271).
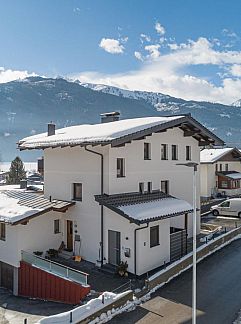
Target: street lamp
(194, 225)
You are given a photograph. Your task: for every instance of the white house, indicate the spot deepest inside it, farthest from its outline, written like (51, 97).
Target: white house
(132, 201)
(114, 171)
(220, 171)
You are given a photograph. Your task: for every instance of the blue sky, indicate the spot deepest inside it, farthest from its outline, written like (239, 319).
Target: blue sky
(189, 49)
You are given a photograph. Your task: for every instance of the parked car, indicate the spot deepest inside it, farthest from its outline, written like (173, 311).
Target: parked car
(229, 207)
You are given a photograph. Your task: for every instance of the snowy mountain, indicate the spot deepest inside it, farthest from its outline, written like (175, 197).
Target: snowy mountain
(237, 103)
(27, 106)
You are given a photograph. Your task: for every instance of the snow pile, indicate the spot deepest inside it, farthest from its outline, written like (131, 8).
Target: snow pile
(103, 132)
(94, 305)
(157, 208)
(11, 211)
(212, 155)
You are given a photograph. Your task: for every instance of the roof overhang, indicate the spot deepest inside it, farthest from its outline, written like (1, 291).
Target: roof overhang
(189, 126)
(31, 205)
(231, 175)
(145, 208)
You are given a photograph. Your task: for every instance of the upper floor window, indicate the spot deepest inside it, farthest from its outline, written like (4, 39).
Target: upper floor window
(188, 153)
(165, 186)
(56, 226)
(120, 167)
(2, 231)
(154, 236)
(141, 187)
(149, 186)
(226, 167)
(174, 152)
(147, 151)
(77, 191)
(220, 167)
(216, 167)
(164, 152)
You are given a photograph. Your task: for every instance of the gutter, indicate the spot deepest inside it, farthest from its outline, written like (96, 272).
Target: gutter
(137, 229)
(102, 207)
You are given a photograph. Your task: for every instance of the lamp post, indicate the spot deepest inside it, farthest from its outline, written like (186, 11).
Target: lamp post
(194, 226)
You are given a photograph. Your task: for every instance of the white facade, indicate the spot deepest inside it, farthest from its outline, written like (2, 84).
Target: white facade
(65, 166)
(209, 178)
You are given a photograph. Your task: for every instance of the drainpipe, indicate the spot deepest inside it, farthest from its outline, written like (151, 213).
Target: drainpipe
(102, 208)
(137, 229)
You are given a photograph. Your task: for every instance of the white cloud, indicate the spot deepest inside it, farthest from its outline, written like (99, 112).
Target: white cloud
(153, 50)
(10, 75)
(159, 28)
(235, 70)
(138, 55)
(111, 45)
(145, 37)
(166, 73)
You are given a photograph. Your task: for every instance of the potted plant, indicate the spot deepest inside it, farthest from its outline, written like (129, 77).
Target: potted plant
(38, 253)
(122, 269)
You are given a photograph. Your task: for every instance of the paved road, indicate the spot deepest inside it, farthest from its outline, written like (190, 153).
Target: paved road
(218, 294)
(13, 310)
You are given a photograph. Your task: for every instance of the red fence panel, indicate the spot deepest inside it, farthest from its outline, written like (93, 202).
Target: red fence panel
(36, 283)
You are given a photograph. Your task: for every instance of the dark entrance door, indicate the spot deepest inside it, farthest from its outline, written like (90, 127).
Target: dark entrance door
(113, 247)
(6, 276)
(69, 235)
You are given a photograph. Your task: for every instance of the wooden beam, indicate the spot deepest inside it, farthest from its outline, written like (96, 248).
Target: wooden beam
(191, 132)
(203, 143)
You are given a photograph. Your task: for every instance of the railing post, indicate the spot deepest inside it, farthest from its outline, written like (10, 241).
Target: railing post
(50, 266)
(67, 272)
(71, 317)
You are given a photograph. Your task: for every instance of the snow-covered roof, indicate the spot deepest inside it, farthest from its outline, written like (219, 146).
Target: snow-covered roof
(17, 205)
(214, 154)
(112, 132)
(148, 207)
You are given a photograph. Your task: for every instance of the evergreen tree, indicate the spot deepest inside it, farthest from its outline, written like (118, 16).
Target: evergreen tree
(16, 172)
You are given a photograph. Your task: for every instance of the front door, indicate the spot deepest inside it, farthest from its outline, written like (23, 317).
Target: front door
(6, 276)
(113, 247)
(69, 235)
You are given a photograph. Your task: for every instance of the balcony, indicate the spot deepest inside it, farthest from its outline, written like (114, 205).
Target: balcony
(55, 268)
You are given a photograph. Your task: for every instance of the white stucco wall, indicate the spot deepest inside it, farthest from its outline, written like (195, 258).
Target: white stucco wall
(37, 235)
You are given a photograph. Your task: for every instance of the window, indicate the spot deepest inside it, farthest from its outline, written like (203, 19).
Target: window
(164, 152)
(216, 167)
(154, 236)
(224, 184)
(120, 168)
(147, 151)
(220, 167)
(188, 153)
(226, 167)
(174, 152)
(2, 231)
(77, 195)
(56, 226)
(165, 186)
(149, 186)
(225, 204)
(141, 187)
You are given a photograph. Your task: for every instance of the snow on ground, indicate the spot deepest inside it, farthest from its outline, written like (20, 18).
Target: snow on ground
(84, 311)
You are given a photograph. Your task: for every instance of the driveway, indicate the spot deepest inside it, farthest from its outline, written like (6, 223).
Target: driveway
(13, 310)
(218, 294)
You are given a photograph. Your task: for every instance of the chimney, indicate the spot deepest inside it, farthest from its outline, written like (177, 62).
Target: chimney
(51, 129)
(110, 117)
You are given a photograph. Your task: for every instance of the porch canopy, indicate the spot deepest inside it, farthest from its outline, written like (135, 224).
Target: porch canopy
(232, 175)
(18, 206)
(145, 208)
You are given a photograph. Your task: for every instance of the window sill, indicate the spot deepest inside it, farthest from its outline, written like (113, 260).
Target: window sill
(77, 200)
(119, 177)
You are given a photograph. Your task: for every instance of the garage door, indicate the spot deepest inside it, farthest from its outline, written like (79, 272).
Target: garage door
(6, 276)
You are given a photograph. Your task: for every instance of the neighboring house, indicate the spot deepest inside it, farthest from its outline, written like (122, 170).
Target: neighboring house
(130, 194)
(220, 171)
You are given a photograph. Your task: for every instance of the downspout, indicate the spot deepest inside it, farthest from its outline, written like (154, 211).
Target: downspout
(102, 208)
(137, 229)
